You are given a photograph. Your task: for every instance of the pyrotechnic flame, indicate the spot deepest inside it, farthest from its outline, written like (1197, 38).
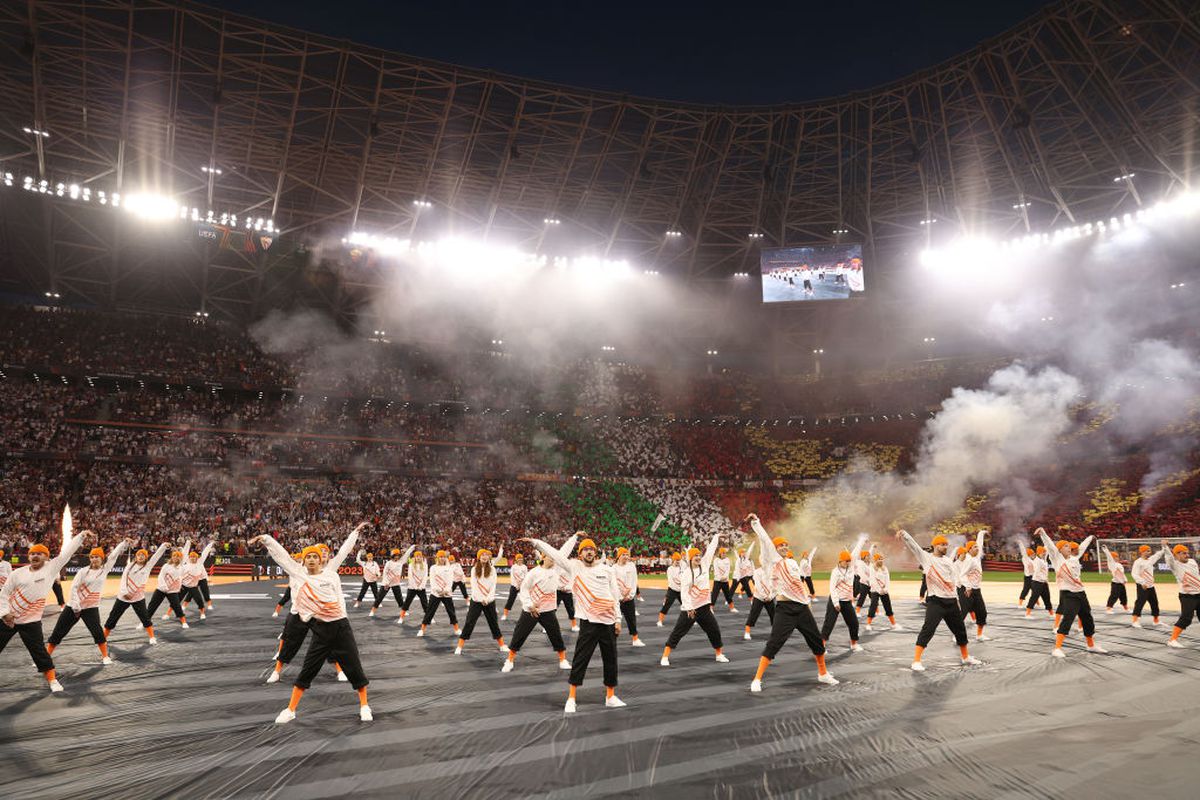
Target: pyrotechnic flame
(66, 524)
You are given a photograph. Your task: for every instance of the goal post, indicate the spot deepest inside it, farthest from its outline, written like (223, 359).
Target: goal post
(1127, 549)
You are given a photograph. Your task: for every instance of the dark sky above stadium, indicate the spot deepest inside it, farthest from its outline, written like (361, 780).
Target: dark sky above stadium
(720, 52)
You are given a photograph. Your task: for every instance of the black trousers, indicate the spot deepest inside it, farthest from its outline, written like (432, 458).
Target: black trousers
(172, 599)
(362, 590)
(31, 636)
(397, 595)
(294, 634)
(591, 635)
(876, 599)
(942, 609)
(193, 594)
(973, 601)
(1025, 586)
(118, 609)
(668, 601)
(567, 599)
(861, 590)
(704, 617)
(204, 590)
(924, 588)
(420, 595)
(1039, 590)
(744, 585)
(58, 593)
(629, 612)
(432, 608)
(721, 588)
(489, 613)
(513, 592)
(1189, 608)
(1117, 594)
(462, 587)
(1144, 596)
(756, 608)
(287, 596)
(846, 609)
(67, 620)
(792, 616)
(1072, 604)
(332, 640)
(527, 622)
(808, 582)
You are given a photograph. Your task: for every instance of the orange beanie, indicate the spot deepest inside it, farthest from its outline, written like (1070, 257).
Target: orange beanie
(39, 548)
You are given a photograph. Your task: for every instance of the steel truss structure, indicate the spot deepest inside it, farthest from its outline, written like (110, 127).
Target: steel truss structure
(1031, 129)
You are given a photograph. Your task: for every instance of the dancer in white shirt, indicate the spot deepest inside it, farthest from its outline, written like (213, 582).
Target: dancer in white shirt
(941, 599)
(1072, 599)
(695, 603)
(971, 580)
(1143, 575)
(84, 601)
(1117, 593)
(131, 591)
(764, 599)
(1181, 563)
(370, 578)
(538, 594)
(1039, 583)
(743, 571)
(418, 579)
(170, 583)
(880, 584)
(862, 581)
(806, 565)
(516, 576)
(841, 594)
(672, 587)
(1027, 556)
(460, 577)
(626, 573)
(483, 601)
(721, 584)
(441, 578)
(194, 578)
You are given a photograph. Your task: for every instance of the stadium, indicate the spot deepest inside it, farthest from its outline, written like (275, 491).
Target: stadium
(841, 446)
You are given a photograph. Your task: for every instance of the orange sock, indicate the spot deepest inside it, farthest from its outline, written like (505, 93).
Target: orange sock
(50, 648)
(666, 652)
(150, 631)
(106, 632)
(917, 655)
(609, 691)
(869, 619)
(1090, 641)
(572, 691)
(512, 655)
(337, 666)
(297, 693)
(50, 675)
(562, 655)
(764, 662)
(962, 648)
(821, 664)
(635, 637)
(362, 696)
(422, 627)
(279, 666)
(103, 646)
(661, 617)
(747, 629)
(1057, 619)
(1058, 640)
(1134, 619)
(979, 630)
(1175, 632)
(278, 608)
(461, 642)
(500, 641)
(718, 651)
(892, 620)
(1156, 620)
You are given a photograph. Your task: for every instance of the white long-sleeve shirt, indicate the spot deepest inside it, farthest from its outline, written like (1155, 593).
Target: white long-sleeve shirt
(784, 580)
(673, 576)
(483, 587)
(459, 575)
(392, 573)
(170, 577)
(441, 579)
(940, 573)
(1188, 575)
(24, 593)
(539, 590)
(744, 569)
(370, 569)
(761, 585)
(5, 571)
(806, 563)
(1116, 569)
(516, 575)
(315, 596)
(594, 587)
(971, 570)
(193, 573)
(135, 577)
(1027, 564)
(696, 588)
(418, 575)
(841, 579)
(881, 579)
(1143, 569)
(1041, 570)
(721, 569)
(89, 583)
(626, 575)
(1067, 569)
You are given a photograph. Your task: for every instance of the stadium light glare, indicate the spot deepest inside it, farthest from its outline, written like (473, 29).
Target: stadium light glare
(756, 236)
(151, 207)
(552, 221)
(741, 274)
(36, 132)
(673, 234)
(1125, 177)
(422, 204)
(818, 351)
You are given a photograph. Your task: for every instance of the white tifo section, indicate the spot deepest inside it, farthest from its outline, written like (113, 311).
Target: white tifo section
(1127, 549)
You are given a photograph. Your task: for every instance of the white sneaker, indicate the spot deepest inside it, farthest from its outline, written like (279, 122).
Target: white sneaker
(165, 616)
(856, 648)
(342, 677)
(275, 615)
(868, 628)
(458, 651)
(746, 636)
(1095, 648)
(614, 702)
(664, 662)
(503, 648)
(569, 708)
(371, 613)
(55, 687)
(1136, 624)
(273, 677)
(285, 716)
(637, 643)
(1157, 624)
(756, 686)
(574, 629)
(917, 666)
(971, 661)
(400, 621)
(106, 660)
(1108, 611)
(658, 624)
(1174, 643)
(722, 658)
(508, 665)
(202, 616)
(734, 611)
(828, 679)
(185, 626)
(983, 637)
(153, 640)
(364, 713)
(897, 627)
(420, 632)
(357, 603)
(1058, 653)
(564, 664)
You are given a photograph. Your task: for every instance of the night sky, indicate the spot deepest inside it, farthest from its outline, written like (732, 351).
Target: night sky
(727, 52)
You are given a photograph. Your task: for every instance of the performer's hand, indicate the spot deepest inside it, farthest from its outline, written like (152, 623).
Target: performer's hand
(10, 619)
(1039, 532)
(899, 535)
(360, 526)
(534, 613)
(617, 629)
(692, 614)
(1165, 543)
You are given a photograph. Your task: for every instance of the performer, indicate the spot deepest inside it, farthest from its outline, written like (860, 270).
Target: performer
(1180, 562)
(805, 564)
(841, 595)
(743, 571)
(1117, 593)
(760, 586)
(483, 601)
(672, 587)
(695, 604)
(441, 578)
(516, 576)
(321, 607)
(131, 591)
(194, 575)
(1039, 583)
(5, 569)
(23, 599)
(971, 575)
(170, 581)
(941, 599)
(1027, 555)
(1143, 576)
(538, 595)
(566, 597)
(85, 600)
(391, 576)
(1072, 599)
(418, 578)
(880, 582)
(625, 572)
(370, 579)
(862, 581)
(792, 600)
(720, 583)
(294, 630)
(460, 577)
(597, 589)
(286, 597)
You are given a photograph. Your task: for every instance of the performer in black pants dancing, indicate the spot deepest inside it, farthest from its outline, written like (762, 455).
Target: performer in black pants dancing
(1143, 576)
(418, 578)
(695, 605)
(516, 576)
(537, 594)
(1072, 599)
(672, 588)
(441, 577)
(941, 602)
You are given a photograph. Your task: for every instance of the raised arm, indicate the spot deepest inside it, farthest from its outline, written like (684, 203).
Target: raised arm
(347, 548)
(1051, 551)
(1086, 543)
(69, 549)
(914, 548)
(1152, 560)
(111, 561)
(523, 593)
(710, 553)
(281, 556)
(156, 555)
(854, 551)
(766, 547)
(358, 559)
(206, 552)
(187, 548)
(979, 543)
(561, 557)
(407, 553)
(812, 554)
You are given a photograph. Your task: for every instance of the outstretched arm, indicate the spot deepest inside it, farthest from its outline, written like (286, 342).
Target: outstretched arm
(914, 548)
(766, 547)
(560, 557)
(1051, 551)
(280, 555)
(158, 554)
(111, 561)
(979, 543)
(69, 549)
(710, 553)
(206, 552)
(347, 547)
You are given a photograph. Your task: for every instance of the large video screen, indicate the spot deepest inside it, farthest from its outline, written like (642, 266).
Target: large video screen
(813, 272)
